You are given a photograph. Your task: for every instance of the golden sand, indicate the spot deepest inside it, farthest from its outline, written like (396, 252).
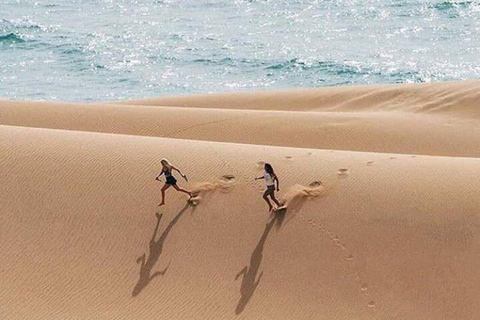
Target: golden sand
(382, 217)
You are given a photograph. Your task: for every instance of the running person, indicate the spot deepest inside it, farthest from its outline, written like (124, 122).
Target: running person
(167, 169)
(270, 178)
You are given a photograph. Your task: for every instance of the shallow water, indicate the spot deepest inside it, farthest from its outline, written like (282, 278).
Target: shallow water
(105, 50)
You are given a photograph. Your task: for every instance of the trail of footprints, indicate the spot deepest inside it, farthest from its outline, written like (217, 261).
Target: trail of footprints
(363, 286)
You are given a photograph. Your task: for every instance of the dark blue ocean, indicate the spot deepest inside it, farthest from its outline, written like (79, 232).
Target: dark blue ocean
(90, 50)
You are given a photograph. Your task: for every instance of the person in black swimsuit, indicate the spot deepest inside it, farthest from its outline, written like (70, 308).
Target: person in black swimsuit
(167, 169)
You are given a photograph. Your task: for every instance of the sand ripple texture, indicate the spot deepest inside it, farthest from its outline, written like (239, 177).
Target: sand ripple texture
(381, 217)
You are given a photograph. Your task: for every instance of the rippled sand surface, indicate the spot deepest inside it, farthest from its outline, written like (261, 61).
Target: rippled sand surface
(381, 216)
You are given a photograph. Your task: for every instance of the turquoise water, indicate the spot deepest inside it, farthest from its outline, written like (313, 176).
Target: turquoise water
(105, 50)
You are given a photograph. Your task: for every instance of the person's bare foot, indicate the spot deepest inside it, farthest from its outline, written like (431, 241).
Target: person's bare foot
(193, 194)
(161, 204)
(270, 209)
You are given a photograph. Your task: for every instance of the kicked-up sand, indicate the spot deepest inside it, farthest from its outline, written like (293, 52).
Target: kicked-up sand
(382, 217)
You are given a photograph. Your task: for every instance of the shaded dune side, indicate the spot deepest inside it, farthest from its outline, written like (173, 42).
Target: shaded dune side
(393, 132)
(460, 98)
(387, 238)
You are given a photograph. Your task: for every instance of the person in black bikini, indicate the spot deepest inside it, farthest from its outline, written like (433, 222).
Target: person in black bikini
(167, 169)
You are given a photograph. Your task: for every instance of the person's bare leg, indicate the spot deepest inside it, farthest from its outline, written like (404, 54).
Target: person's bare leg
(165, 187)
(265, 196)
(182, 190)
(272, 195)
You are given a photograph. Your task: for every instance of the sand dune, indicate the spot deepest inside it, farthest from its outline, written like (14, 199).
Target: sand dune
(459, 98)
(377, 129)
(366, 235)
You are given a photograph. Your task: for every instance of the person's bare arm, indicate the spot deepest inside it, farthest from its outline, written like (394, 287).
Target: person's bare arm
(278, 182)
(178, 170)
(259, 178)
(159, 175)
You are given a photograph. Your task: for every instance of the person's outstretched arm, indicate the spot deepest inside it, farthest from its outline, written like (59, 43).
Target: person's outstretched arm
(178, 170)
(260, 178)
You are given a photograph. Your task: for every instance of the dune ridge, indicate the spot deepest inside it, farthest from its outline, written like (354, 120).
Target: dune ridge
(301, 118)
(387, 228)
(459, 98)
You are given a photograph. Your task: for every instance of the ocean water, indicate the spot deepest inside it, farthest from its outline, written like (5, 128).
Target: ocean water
(91, 50)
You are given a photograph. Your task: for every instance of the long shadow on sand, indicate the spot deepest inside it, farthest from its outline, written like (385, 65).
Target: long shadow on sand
(249, 273)
(156, 248)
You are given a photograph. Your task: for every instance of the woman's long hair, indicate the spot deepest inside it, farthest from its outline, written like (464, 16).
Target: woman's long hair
(166, 163)
(269, 169)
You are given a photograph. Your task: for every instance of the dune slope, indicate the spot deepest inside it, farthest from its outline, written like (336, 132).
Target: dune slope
(382, 217)
(389, 119)
(460, 98)
(390, 238)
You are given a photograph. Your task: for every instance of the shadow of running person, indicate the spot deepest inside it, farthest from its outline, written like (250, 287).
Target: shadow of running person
(279, 216)
(250, 281)
(156, 248)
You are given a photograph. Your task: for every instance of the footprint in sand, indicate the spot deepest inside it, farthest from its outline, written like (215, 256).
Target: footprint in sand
(370, 163)
(364, 287)
(288, 157)
(226, 182)
(228, 177)
(342, 172)
(315, 184)
(391, 158)
(371, 304)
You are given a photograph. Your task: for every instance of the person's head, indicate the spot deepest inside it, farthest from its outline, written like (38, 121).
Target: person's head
(269, 168)
(165, 162)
